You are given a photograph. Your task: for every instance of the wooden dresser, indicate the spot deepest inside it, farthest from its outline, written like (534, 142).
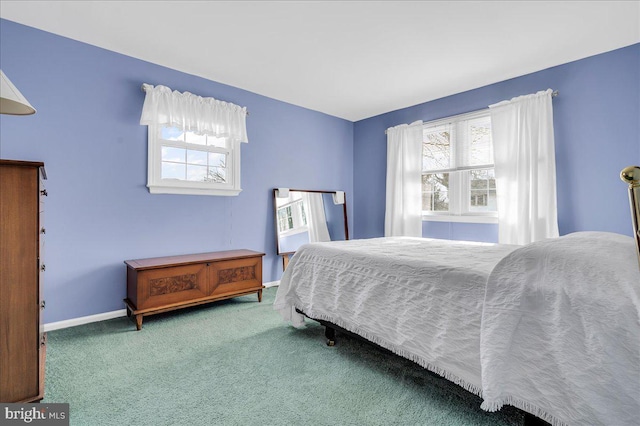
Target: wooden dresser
(162, 284)
(22, 341)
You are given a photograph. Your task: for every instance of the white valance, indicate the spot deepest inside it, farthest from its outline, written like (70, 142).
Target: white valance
(193, 113)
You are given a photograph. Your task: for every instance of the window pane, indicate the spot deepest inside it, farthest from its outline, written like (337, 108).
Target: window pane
(172, 134)
(196, 161)
(482, 194)
(289, 218)
(173, 171)
(217, 174)
(480, 147)
(435, 192)
(303, 214)
(219, 142)
(196, 139)
(173, 154)
(217, 160)
(196, 173)
(283, 220)
(197, 157)
(436, 149)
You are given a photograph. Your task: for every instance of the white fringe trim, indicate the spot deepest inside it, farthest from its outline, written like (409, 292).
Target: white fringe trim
(486, 405)
(524, 406)
(399, 351)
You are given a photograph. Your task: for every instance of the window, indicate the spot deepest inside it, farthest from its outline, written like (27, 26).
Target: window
(458, 180)
(193, 143)
(292, 217)
(187, 163)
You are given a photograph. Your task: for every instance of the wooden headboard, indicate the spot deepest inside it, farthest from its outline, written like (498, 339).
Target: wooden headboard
(631, 175)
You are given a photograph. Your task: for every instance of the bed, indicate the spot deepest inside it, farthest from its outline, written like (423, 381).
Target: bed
(552, 328)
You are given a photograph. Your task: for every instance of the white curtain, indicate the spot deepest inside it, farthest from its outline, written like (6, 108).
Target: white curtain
(403, 213)
(316, 219)
(189, 112)
(525, 168)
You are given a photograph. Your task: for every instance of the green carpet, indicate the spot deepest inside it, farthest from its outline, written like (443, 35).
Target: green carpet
(236, 363)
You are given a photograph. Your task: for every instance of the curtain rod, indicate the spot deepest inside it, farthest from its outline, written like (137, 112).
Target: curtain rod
(145, 90)
(553, 95)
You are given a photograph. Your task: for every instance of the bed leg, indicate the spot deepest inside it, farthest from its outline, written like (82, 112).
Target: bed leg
(330, 334)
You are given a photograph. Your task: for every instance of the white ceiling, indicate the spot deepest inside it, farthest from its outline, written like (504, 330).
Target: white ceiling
(350, 59)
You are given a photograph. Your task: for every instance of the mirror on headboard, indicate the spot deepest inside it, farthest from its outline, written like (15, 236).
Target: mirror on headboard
(304, 216)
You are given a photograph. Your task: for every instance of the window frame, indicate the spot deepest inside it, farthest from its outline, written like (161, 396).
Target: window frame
(157, 185)
(459, 187)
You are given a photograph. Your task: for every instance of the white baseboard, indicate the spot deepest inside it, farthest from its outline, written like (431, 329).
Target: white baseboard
(84, 320)
(106, 316)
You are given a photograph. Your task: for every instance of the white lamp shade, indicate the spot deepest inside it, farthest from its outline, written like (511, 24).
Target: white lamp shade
(11, 100)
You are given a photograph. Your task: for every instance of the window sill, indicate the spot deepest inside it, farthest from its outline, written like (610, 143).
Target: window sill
(159, 189)
(460, 218)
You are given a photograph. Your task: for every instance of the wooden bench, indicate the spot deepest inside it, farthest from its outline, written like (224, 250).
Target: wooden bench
(163, 284)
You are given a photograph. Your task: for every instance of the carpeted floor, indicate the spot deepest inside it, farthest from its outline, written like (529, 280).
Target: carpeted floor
(236, 363)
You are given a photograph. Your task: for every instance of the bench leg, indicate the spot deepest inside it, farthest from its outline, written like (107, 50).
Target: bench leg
(139, 322)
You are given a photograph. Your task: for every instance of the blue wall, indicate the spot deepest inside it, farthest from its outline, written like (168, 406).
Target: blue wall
(597, 133)
(291, 243)
(482, 232)
(99, 211)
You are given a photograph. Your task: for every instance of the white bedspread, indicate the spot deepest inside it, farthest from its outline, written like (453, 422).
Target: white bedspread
(419, 298)
(570, 307)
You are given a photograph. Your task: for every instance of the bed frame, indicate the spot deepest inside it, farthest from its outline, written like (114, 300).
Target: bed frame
(630, 175)
(330, 334)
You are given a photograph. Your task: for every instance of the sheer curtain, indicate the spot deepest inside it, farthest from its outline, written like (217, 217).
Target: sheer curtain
(316, 219)
(189, 112)
(403, 212)
(525, 168)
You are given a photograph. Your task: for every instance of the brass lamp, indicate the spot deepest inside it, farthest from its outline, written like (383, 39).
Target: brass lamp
(631, 175)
